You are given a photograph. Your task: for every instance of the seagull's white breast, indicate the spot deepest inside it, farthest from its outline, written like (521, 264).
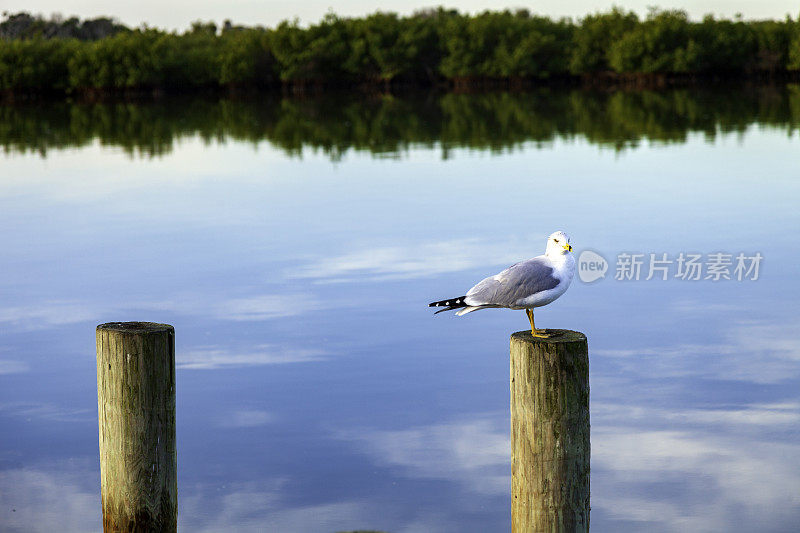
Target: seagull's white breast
(564, 270)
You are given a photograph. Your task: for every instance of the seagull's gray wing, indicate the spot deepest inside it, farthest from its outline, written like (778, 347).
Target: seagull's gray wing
(513, 284)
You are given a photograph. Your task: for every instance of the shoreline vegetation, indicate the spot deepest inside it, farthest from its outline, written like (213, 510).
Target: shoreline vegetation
(388, 125)
(384, 52)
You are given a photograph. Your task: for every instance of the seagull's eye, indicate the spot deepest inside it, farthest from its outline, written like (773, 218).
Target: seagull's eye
(556, 240)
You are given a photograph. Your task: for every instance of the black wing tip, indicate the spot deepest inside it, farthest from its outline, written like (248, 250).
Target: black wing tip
(449, 304)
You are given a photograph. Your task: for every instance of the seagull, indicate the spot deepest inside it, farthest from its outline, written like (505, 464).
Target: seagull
(525, 285)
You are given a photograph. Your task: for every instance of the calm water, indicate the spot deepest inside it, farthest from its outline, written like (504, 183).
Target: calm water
(294, 245)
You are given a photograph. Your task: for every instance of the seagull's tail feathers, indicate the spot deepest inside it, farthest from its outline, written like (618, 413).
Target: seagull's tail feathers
(449, 305)
(467, 309)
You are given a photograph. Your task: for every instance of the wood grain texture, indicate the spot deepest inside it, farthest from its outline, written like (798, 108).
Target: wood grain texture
(136, 416)
(550, 448)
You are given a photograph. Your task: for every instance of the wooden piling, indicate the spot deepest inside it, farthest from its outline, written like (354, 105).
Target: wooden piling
(136, 415)
(549, 433)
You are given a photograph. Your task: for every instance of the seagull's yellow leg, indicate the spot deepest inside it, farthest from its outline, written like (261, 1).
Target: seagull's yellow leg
(530, 319)
(541, 333)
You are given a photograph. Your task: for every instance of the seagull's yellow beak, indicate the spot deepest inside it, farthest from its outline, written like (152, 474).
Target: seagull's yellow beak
(568, 247)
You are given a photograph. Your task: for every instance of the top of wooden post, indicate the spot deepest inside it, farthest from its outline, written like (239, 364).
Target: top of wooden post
(135, 327)
(559, 336)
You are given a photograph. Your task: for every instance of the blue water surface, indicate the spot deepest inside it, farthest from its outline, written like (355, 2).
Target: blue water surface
(315, 390)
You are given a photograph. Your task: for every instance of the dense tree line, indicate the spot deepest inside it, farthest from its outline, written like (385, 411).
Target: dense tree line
(27, 26)
(428, 47)
(381, 124)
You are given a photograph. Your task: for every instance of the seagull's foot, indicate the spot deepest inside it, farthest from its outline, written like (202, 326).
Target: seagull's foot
(544, 334)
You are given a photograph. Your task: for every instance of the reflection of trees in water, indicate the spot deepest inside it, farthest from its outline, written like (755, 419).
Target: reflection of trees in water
(391, 124)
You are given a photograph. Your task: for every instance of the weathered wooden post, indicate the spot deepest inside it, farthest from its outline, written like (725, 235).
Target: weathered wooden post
(136, 414)
(549, 433)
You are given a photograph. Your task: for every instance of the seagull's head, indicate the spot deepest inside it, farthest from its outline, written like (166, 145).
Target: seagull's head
(558, 244)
